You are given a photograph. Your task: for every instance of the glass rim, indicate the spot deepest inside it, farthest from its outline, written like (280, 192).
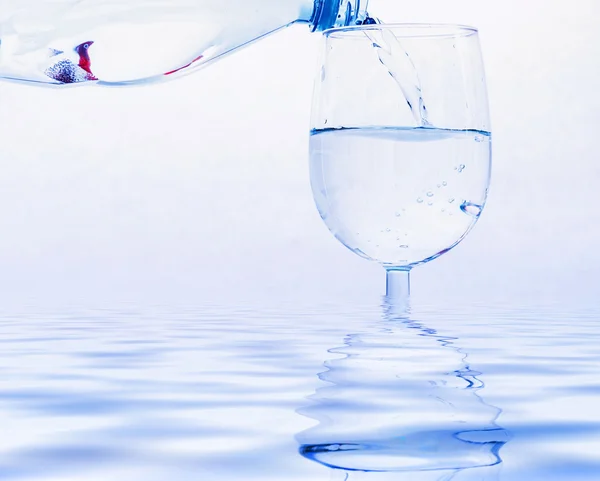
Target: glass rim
(408, 30)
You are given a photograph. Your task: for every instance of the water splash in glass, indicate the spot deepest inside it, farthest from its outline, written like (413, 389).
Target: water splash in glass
(469, 208)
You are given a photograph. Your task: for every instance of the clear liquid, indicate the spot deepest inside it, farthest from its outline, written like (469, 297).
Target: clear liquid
(401, 68)
(400, 196)
(130, 42)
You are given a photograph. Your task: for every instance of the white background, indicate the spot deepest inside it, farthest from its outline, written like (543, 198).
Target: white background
(197, 190)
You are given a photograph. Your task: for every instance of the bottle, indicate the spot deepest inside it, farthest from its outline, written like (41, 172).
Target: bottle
(128, 42)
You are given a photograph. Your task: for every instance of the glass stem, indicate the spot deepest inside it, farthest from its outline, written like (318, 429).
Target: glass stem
(397, 292)
(398, 284)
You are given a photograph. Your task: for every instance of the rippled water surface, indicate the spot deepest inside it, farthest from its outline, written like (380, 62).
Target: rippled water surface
(291, 392)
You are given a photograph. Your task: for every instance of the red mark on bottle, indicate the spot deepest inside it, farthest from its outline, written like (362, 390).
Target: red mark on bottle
(185, 66)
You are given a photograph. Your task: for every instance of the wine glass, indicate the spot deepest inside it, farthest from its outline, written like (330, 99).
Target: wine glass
(400, 145)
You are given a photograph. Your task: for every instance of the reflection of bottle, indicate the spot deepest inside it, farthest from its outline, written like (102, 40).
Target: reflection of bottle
(139, 41)
(402, 399)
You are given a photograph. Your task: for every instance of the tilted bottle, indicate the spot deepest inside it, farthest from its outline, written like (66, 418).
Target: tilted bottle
(125, 42)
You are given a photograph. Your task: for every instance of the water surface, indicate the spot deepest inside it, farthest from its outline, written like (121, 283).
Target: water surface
(301, 392)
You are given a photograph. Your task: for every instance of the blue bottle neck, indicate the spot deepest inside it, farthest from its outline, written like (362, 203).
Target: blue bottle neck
(338, 13)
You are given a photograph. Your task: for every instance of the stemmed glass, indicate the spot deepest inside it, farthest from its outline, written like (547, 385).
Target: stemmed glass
(400, 146)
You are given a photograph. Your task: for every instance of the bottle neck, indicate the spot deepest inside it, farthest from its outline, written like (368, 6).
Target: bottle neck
(338, 13)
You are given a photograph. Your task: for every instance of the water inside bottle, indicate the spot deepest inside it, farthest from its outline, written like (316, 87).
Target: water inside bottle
(113, 42)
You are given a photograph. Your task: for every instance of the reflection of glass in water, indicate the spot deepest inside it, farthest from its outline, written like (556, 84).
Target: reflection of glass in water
(402, 399)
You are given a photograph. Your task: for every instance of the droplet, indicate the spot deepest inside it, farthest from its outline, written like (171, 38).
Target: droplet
(429, 203)
(404, 246)
(388, 230)
(444, 183)
(419, 200)
(429, 194)
(469, 208)
(461, 167)
(479, 138)
(398, 214)
(439, 185)
(451, 200)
